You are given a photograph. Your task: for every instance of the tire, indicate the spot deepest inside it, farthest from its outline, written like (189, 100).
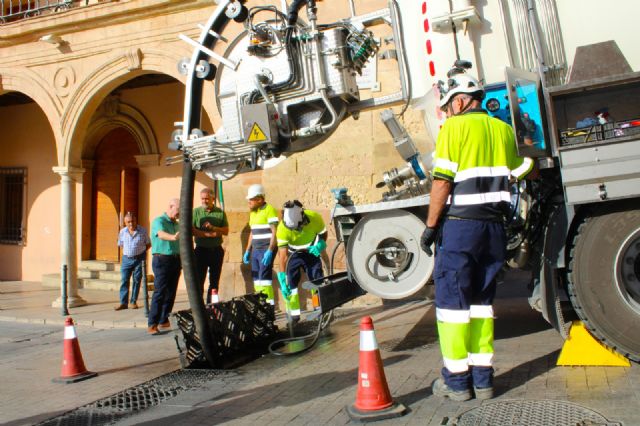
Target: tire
(604, 276)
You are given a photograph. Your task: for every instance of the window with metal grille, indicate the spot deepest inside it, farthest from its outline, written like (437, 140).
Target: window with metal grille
(13, 192)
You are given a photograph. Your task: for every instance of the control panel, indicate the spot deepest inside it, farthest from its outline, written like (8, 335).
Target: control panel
(519, 107)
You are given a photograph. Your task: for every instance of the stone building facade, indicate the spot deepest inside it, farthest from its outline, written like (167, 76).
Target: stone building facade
(89, 95)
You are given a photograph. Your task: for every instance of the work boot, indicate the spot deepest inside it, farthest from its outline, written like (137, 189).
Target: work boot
(120, 307)
(483, 393)
(133, 305)
(164, 326)
(153, 330)
(440, 388)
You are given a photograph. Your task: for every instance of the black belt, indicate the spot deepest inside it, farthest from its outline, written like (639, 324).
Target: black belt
(177, 256)
(478, 220)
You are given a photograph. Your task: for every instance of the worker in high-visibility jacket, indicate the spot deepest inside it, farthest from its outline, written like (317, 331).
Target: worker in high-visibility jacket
(261, 247)
(475, 158)
(301, 239)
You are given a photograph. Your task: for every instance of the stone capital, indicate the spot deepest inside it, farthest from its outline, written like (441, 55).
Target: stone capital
(74, 173)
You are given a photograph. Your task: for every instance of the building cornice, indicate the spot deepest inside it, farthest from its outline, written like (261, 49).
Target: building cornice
(93, 16)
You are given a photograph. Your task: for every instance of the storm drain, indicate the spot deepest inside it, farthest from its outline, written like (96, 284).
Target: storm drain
(531, 413)
(135, 399)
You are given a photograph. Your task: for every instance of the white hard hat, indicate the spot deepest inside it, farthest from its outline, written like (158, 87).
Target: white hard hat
(460, 83)
(255, 190)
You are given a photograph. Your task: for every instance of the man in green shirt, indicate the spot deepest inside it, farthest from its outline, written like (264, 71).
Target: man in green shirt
(209, 225)
(166, 267)
(301, 239)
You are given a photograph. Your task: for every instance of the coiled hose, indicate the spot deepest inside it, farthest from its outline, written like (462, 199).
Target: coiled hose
(323, 321)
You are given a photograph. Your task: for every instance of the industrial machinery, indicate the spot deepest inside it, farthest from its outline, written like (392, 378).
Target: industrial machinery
(288, 81)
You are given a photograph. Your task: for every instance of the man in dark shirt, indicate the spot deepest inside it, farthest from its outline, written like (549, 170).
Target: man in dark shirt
(209, 225)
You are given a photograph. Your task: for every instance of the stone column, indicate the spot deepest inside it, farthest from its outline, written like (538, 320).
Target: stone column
(68, 251)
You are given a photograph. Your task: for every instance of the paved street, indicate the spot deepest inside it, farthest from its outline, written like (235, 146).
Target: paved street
(314, 388)
(31, 355)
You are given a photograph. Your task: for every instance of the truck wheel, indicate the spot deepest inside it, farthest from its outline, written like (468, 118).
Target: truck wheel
(604, 277)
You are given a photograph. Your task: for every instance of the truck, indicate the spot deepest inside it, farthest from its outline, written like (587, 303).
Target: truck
(288, 81)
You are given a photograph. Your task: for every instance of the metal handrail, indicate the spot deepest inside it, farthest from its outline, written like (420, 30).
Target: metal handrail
(13, 10)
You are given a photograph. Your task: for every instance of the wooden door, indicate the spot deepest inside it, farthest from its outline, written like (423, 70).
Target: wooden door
(128, 194)
(115, 191)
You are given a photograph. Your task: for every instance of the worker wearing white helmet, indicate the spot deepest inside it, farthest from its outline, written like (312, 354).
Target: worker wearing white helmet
(474, 159)
(263, 219)
(302, 238)
(460, 84)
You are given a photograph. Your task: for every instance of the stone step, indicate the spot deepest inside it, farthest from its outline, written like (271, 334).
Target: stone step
(105, 275)
(99, 265)
(53, 280)
(98, 284)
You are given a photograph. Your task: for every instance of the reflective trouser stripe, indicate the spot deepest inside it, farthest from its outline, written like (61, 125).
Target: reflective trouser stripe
(481, 336)
(454, 337)
(456, 365)
(481, 360)
(452, 315)
(264, 286)
(293, 304)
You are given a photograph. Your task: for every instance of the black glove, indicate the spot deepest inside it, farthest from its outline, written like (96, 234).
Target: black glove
(428, 237)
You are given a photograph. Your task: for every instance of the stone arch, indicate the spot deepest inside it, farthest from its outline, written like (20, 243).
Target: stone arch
(26, 81)
(125, 116)
(98, 85)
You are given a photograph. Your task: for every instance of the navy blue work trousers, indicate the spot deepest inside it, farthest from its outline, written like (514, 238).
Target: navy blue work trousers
(166, 271)
(259, 271)
(469, 255)
(311, 264)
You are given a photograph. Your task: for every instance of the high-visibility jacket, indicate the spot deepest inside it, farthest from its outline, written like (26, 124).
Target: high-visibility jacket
(478, 154)
(305, 237)
(260, 222)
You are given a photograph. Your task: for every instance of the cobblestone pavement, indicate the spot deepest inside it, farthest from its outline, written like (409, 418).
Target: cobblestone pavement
(314, 388)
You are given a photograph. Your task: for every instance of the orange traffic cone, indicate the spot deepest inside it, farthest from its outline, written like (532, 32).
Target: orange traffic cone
(73, 369)
(373, 399)
(214, 296)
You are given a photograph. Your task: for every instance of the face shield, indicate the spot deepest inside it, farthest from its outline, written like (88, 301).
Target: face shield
(292, 214)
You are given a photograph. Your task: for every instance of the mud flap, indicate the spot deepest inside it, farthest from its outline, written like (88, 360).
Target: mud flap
(554, 243)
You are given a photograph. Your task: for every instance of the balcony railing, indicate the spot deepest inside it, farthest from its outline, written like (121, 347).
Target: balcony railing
(13, 10)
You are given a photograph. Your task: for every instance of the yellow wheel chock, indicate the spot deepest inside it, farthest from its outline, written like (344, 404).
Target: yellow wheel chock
(581, 348)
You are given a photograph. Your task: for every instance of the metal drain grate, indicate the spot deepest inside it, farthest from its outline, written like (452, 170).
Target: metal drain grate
(531, 413)
(115, 407)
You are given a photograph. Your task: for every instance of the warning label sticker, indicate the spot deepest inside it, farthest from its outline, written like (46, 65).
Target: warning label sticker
(256, 135)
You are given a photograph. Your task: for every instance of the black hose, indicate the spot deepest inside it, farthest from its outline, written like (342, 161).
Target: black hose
(187, 256)
(323, 321)
(292, 12)
(293, 82)
(316, 335)
(333, 256)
